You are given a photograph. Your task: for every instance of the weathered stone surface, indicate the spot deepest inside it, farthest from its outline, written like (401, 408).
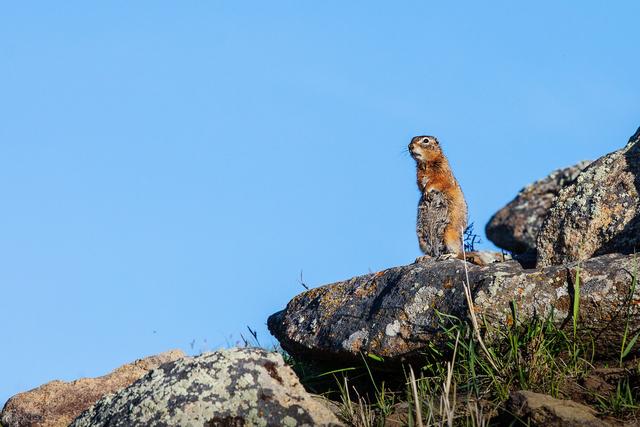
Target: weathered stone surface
(237, 387)
(57, 403)
(515, 227)
(393, 313)
(541, 410)
(483, 258)
(599, 213)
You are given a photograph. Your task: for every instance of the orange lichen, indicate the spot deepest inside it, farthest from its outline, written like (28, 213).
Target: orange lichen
(368, 287)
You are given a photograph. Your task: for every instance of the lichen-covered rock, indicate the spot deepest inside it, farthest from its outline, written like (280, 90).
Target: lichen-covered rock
(237, 387)
(599, 213)
(537, 409)
(394, 313)
(515, 227)
(57, 403)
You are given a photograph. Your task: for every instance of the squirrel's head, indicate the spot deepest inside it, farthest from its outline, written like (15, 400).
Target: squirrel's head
(425, 148)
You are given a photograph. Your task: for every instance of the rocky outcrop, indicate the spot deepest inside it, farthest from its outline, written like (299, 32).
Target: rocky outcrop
(57, 403)
(535, 409)
(515, 227)
(237, 387)
(394, 313)
(599, 213)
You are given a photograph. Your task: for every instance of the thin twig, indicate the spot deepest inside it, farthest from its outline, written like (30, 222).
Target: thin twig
(447, 406)
(416, 398)
(301, 281)
(472, 312)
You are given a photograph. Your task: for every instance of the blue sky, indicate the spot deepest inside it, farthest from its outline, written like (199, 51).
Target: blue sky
(168, 169)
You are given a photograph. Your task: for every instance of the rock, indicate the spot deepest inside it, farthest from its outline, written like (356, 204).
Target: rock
(483, 258)
(394, 313)
(541, 410)
(599, 213)
(515, 227)
(234, 387)
(57, 403)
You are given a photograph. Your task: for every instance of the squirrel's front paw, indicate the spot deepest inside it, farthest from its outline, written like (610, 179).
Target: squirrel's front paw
(424, 258)
(445, 257)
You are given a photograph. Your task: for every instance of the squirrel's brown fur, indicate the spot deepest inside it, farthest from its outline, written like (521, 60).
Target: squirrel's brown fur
(436, 182)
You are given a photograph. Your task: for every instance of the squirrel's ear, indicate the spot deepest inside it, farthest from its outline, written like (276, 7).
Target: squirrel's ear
(435, 140)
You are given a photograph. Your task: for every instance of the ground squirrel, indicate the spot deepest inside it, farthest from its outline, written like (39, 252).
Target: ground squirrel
(442, 210)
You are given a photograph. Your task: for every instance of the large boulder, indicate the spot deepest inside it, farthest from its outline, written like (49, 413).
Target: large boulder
(57, 403)
(394, 313)
(237, 387)
(515, 227)
(599, 213)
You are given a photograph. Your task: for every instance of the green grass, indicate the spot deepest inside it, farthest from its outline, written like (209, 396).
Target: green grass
(626, 347)
(622, 402)
(466, 389)
(468, 382)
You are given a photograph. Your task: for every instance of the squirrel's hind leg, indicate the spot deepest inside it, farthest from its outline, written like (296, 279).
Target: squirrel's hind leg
(453, 242)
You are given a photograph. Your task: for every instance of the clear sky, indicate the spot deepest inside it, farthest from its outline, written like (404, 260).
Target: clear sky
(167, 169)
